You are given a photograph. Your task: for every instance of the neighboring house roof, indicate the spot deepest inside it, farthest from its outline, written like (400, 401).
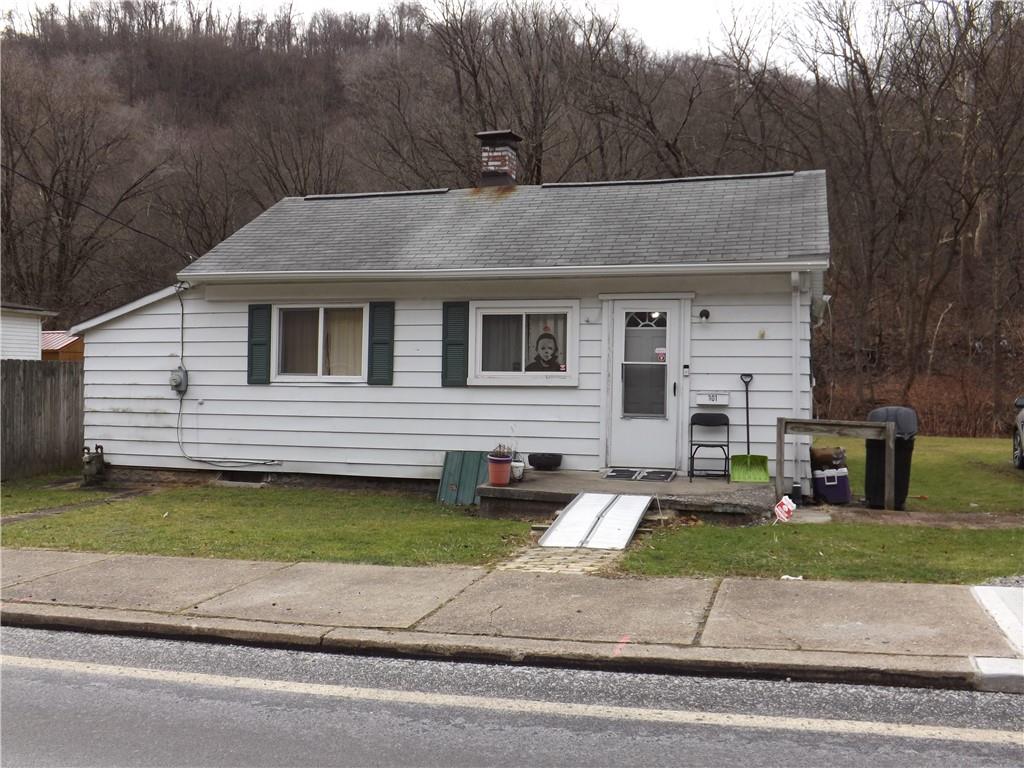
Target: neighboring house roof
(762, 222)
(54, 340)
(124, 309)
(27, 310)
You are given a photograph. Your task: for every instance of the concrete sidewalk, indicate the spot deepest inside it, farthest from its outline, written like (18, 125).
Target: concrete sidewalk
(908, 634)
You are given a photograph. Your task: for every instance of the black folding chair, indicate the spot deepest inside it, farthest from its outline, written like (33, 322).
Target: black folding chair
(709, 421)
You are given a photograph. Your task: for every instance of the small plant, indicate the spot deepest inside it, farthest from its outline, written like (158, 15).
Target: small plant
(501, 451)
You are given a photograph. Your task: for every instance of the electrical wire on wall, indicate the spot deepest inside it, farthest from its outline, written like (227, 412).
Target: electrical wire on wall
(180, 288)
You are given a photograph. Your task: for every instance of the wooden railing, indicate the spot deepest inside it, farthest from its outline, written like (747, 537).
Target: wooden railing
(869, 430)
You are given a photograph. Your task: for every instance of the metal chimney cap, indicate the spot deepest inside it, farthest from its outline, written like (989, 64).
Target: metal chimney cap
(502, 138)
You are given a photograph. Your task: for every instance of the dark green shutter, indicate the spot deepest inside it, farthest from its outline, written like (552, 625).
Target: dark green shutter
(455, 344)
(259, 344)
(382, 343)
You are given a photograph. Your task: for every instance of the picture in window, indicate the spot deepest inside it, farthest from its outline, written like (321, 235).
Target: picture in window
(546, 334)
(517, 343)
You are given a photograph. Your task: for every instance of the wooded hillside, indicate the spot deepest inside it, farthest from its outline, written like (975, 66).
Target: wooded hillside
(137, 135)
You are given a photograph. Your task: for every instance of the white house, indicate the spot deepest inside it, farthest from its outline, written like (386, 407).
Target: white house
(21, 331)
(367, 334)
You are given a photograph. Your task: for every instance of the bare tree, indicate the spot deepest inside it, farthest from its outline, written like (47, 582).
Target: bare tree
(290, 140)
(203, 195)
(72, 179)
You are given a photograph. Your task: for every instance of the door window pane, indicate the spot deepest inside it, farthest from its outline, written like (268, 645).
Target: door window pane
(299, 332)
(645, 345)
(645, 336)
(643, 390)
(501, 345)
(343, 342)
(653, 319)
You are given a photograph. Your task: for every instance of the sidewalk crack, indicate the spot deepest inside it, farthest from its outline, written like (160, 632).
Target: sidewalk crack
(707, 613)
(454, 597)
(197, 603)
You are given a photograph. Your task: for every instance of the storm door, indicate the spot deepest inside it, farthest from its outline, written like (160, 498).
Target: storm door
(644, 383)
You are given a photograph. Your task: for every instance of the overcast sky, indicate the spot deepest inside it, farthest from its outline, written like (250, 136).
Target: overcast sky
(665, 25)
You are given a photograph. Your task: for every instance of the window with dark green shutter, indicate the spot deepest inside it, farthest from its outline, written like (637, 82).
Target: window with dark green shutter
(381, 365)
(259, 344)
(455, 344)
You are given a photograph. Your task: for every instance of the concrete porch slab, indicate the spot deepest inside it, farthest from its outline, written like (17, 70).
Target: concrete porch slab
(18, 565)
(138, 582)
(714, 499)
(576, 607)
(341, 595)
(916, 619)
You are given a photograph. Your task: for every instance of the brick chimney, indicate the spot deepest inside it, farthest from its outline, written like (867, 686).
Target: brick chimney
(498, 160)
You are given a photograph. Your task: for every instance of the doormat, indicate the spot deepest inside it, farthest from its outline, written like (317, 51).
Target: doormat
(662, 475)
(622, 473)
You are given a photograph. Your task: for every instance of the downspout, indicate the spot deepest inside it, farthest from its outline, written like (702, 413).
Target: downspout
(794, 280)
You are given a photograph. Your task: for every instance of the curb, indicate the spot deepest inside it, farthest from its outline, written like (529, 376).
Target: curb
(960, 673)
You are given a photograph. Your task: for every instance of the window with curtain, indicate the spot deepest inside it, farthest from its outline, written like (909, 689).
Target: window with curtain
(524, 344)
(321, 341)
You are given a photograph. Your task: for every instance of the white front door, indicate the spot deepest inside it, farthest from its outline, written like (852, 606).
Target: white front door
(645, 387)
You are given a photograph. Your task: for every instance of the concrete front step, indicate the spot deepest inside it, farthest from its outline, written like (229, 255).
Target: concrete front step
(542, 495)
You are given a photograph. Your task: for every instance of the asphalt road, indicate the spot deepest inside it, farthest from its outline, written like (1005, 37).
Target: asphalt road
(77, 699)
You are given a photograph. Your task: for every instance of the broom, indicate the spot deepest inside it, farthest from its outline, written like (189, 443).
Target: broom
(749, 469)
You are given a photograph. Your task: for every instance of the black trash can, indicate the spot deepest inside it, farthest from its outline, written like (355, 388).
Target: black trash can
(874, 469)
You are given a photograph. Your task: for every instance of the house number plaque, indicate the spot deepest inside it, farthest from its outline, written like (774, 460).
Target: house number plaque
(712, 398)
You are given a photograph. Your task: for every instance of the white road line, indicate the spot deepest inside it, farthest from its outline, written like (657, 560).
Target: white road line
(527, 707)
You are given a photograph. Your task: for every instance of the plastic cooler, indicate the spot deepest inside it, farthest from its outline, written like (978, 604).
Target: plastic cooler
(832, 485)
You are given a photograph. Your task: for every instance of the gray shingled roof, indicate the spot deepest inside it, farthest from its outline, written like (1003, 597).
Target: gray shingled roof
(714, 220)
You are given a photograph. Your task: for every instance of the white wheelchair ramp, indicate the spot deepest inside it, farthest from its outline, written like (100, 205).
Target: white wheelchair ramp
(597, 521)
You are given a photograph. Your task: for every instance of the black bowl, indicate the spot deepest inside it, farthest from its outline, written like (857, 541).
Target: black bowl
(545, 461)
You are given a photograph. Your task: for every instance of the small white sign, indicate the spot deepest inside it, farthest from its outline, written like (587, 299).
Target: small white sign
(712, 398)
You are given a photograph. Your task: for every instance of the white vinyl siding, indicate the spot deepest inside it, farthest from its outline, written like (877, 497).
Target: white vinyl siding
(21, 337)
(404, 429)
(401, 430)
(751, 334)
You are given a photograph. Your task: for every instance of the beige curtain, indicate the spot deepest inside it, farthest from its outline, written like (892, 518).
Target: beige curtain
(343, 342)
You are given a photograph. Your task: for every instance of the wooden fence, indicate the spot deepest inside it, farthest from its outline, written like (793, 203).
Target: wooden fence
(41, 404)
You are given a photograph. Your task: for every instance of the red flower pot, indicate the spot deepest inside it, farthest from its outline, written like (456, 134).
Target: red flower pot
(499, 470)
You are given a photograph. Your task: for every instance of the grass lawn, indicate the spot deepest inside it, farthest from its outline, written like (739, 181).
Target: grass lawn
(952, 472)
(277, 524)
(832, 551)
(30, 494)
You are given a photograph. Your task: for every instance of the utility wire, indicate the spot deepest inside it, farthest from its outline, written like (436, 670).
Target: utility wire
(180, 288)
(88, 207)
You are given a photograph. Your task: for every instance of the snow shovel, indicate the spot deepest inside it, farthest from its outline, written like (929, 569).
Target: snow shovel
(749, 469)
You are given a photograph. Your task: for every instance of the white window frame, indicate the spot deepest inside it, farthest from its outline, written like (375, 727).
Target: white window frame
(570, 307)
(316, 378)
